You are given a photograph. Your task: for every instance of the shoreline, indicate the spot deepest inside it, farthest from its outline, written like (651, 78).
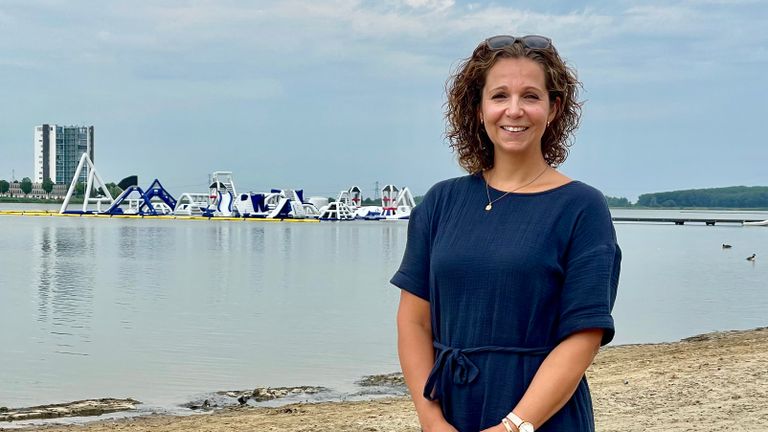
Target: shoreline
(706, 381)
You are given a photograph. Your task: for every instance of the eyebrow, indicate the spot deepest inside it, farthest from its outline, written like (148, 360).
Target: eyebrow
(527, 88)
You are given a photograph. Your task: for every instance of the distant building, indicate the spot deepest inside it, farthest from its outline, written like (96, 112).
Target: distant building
(58, 150)
(59, 191)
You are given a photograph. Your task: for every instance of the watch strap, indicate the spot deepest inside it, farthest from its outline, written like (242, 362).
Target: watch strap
(517, 421)
(507, 426)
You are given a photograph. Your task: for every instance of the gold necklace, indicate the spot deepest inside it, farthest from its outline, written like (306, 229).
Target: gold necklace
(488, 192)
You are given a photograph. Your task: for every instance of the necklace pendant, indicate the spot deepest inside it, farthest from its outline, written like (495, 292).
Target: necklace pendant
(488, 207)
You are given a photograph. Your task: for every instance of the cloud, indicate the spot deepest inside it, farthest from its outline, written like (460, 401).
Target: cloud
(438, 5)
(214, 71)
(395, 34)
(419, 39)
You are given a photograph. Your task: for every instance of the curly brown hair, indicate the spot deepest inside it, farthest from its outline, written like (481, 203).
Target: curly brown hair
(466, 134)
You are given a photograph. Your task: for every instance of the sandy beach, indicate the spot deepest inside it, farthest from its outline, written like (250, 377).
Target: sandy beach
(707, 382)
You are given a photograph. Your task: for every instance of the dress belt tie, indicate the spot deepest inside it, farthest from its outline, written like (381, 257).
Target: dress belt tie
(454, 364)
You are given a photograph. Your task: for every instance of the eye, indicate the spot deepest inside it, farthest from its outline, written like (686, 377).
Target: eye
(532, 96)
(498, 96)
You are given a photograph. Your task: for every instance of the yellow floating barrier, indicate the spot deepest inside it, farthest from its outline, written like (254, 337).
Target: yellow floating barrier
(164, 217)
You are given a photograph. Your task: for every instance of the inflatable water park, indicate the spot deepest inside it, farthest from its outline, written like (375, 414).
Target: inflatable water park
(222, 201)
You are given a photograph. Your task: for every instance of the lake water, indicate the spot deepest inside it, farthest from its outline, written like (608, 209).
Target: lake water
(164, 311)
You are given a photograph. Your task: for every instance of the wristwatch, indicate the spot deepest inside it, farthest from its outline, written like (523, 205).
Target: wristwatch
(522, 425)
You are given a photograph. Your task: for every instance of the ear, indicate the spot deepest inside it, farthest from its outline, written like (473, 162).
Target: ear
(554, 110)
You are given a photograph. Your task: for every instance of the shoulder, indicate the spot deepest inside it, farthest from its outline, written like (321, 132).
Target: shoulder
(573, 194)
(576, 201)
(588, 208)
(585, 193)
(441, 196)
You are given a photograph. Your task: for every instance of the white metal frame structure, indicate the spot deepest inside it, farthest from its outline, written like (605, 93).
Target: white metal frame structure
(93, 176)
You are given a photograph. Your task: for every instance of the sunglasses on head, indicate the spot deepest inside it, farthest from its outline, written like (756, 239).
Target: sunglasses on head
(530, 41)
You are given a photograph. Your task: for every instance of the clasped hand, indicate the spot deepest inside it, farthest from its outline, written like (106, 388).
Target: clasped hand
(446, 427)
(497, 428)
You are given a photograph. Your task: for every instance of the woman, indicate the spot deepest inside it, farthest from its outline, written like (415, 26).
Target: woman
(510, 273)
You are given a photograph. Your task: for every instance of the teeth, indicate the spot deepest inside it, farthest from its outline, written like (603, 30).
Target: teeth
(514, 128)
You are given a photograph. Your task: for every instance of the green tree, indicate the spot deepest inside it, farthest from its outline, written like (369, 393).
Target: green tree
(26, 185)
(669, 203)
(4, 186)
(617, 201)
(80, 189)
(371, 202)
(114, 189)
(47, 185)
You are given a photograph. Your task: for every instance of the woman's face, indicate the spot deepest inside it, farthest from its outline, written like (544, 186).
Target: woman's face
(515, 106)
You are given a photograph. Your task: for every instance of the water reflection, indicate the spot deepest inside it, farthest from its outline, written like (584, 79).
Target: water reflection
(44, 270)
(65, 282)
(392, 235)
(255, 239)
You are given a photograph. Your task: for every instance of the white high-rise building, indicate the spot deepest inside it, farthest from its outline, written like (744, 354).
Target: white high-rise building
(58, 150)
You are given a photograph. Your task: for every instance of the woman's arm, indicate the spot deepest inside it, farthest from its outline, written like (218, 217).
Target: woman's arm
(557, 378)
(417, 356)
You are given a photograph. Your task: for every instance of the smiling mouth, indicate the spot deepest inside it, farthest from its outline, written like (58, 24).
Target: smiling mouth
(515, 128)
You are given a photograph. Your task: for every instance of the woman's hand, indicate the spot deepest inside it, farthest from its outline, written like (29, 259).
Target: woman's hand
(441, 426)
(498, 428)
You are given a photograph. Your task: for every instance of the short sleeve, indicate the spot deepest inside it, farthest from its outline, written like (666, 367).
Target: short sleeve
(413, 274)
(592, 267)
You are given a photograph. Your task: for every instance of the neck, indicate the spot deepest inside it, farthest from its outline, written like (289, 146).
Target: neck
(509, 173)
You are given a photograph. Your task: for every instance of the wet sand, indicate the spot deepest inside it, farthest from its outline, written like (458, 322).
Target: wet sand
(708, 382)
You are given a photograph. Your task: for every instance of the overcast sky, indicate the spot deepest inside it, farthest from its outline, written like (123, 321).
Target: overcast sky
(323, 95)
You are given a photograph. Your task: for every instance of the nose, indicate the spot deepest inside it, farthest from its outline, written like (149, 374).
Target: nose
(515, 107)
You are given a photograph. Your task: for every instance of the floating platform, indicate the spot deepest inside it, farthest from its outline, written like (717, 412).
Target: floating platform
(125, 216)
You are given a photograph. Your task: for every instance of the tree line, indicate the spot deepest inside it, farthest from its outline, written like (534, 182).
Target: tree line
(726, 197)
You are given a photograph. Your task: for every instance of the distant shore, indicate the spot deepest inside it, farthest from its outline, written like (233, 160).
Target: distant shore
(8, 200)
(18, 200)
(707, 382)
(79, 200)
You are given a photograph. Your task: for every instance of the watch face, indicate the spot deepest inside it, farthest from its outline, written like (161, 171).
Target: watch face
(526, 427)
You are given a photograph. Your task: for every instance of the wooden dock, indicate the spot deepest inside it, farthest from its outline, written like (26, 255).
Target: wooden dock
(683, 220)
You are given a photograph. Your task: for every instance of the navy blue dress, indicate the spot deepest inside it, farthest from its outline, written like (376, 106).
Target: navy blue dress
(505, 287)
